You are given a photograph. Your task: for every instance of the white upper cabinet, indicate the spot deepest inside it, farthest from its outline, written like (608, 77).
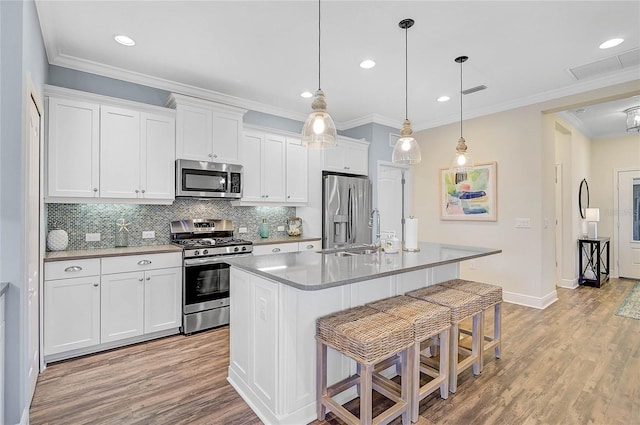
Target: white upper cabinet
(112, 150)
(119, 153)
(206, 131)
(73, 143)
(157, 158)
(263, 158)
(297, 171)
(348, 156)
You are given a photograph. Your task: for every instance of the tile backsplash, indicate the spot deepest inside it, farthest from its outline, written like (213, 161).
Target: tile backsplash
(80, 219)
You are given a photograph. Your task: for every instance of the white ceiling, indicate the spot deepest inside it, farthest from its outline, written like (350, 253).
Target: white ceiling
(263, 54)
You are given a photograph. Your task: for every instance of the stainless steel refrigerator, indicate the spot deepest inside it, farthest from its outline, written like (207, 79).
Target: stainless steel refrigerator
(346, 209)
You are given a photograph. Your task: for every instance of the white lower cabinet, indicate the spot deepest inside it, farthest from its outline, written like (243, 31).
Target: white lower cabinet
(71, 313)
(311, 246)
(128, 297)
(281, 248)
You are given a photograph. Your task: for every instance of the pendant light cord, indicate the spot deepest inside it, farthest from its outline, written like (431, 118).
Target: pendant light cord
(406, 74)
(319, 37)
(461, 62)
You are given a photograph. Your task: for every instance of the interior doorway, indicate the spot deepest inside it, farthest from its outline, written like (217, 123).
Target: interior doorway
(390, 196)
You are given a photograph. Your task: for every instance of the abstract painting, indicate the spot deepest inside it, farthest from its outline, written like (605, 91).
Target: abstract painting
(470, 195)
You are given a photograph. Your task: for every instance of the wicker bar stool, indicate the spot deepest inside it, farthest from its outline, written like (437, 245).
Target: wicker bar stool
(463, 305)
(367, 336)
(491, 297)
(429, 320)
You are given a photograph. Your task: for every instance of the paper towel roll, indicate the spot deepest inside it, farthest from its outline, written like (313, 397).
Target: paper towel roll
(411, 234)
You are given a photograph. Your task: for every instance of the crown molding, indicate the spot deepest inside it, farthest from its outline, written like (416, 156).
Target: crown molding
(368, 119)
(597, 83)
(575, 122)
(97, 68)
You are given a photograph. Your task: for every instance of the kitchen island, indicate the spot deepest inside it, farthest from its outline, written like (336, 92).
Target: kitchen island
(276, 299)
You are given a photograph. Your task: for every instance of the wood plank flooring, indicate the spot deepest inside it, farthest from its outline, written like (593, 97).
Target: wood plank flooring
(574, 363)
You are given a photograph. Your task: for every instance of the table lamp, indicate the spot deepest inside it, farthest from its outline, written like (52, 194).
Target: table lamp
(592, 215)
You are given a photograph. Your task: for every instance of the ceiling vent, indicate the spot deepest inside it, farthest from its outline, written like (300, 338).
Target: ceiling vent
(474, 89)
(614, 63)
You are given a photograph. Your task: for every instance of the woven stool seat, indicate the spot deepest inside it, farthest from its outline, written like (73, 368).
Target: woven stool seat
(428, 319)
(367, 336)
(462, 304)
(364, 334)
(491, 294)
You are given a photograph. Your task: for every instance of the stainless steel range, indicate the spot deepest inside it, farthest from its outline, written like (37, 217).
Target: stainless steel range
(207, 243)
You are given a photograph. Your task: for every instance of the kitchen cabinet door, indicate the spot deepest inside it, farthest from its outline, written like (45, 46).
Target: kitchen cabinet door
(121, 306)
(71, 314)
(275, 248)
(162, 299)
(227, 132)
(273, 172)
(348, 156)
(251, 159)
(119, 153)
(297, 171)
(311, 246)
(73, 149)
(194, 133)
(157, 157)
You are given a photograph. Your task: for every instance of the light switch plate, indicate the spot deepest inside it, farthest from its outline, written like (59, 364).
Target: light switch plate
(149, 234)
(242, 230)
(523, 223)
(280, 228)
(92, 237)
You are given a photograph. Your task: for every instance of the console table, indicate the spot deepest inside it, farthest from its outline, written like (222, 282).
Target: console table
(594, 261)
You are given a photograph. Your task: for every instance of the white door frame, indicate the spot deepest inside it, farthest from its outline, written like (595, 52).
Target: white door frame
(408, 185)
(613, 262)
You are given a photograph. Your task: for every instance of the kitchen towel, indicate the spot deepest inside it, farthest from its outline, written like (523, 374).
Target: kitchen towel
(411, 234)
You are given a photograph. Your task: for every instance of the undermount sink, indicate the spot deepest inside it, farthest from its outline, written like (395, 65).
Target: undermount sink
(350, 251)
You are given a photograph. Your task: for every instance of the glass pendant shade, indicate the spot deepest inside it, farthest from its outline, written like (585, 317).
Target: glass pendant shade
(633, 119)
(319, 130)
(406, 149)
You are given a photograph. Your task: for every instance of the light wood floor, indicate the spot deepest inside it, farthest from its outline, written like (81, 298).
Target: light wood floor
(575, 362)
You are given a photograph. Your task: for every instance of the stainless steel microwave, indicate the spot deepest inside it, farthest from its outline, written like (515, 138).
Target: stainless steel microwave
(201, 179)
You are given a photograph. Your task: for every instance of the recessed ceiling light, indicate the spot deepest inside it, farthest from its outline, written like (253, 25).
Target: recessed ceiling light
(443, 98)
(124, 40)
(611, 43)
(367, 64)
(306, 94)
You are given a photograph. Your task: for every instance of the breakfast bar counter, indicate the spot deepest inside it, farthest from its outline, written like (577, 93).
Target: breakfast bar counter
(276, 299)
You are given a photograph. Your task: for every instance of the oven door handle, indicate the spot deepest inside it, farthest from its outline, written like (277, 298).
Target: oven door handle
(210, 260)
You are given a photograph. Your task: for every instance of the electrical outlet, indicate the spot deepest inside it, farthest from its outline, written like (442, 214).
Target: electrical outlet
(280, 228)
(523, 223)
(92, 237)
(472, 265)
(242, 230)
(149, 234)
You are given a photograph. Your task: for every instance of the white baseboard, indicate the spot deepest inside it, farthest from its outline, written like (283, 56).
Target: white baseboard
(529, 301)
(568, 283)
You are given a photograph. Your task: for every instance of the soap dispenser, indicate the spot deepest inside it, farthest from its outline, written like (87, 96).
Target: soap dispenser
(264, 229)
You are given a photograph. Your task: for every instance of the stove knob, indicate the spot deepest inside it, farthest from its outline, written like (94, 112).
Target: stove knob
(205, 252)
(196, 253)
(235, 249)
(244, 248)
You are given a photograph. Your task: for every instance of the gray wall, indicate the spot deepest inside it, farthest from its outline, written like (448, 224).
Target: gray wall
(22, 54)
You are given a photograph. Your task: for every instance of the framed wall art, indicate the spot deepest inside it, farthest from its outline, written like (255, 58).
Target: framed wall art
(469, 196)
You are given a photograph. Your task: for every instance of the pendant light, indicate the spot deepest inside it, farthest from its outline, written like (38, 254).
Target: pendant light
(462, 162)
(319, 130)
(406, 149)
(633, 119)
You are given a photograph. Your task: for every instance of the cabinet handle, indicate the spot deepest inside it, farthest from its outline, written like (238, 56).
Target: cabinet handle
(266, 196)
(144, 262)
(140, 279)
(73, 269)
(137, 191)
(215, 156)
(148, 277)
(309, 246)
(143, 191)
(288, 196)
(95, 189)
(275, 250)
(96, 285)
(210, 155)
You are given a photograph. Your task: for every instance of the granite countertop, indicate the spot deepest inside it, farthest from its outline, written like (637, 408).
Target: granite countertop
(279, 239)
(311, 271)
(109, 252)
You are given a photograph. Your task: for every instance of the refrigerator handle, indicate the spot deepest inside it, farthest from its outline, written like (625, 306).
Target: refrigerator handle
(355, 215)
(349, 214)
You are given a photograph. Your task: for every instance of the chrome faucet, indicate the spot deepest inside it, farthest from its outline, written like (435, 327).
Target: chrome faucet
(375, 212)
